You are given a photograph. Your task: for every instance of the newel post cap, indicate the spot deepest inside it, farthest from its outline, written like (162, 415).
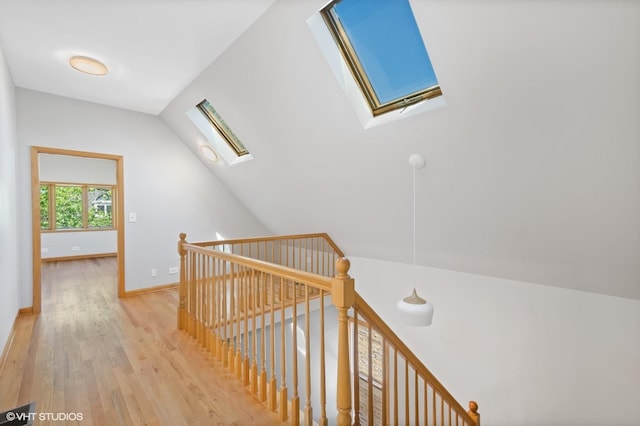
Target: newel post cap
(342, 266)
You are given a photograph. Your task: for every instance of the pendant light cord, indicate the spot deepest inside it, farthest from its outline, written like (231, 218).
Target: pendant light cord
(414, 226)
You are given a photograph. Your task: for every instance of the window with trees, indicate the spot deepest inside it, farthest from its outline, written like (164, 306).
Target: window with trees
(65, 207)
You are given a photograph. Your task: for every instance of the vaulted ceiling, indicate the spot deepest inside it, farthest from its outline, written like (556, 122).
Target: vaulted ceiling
(532, 167)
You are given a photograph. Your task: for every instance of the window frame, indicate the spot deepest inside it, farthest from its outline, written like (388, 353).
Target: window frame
(359, 74)
(52, 219)
(222, 128)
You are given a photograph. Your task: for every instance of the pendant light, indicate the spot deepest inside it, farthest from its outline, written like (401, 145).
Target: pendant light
(413, 309)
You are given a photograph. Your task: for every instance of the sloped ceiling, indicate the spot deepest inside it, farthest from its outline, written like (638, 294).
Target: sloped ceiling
(153, 48)
(532, 168)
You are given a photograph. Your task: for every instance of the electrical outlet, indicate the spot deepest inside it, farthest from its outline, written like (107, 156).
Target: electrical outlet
(154, 272)
(75, 248)
(174, 270)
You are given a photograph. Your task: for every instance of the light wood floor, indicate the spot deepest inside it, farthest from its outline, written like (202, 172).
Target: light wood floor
(117, 361)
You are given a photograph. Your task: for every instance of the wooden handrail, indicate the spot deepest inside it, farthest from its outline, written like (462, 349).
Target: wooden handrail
(331, 243)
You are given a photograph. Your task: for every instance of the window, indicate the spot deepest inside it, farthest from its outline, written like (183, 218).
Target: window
(68, 206)
(381, 44)
(99, 207)
(75, 207)
(218, 133)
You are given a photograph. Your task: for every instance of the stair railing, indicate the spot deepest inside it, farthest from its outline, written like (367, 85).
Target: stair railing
(391, 385)
(264, 307)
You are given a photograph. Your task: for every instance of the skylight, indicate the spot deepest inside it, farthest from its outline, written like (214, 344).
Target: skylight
(381, 44)
(219, 135)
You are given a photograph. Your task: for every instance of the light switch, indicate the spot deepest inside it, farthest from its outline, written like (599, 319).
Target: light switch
(132, 217)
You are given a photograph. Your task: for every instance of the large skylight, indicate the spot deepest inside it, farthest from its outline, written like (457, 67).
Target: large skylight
(383, 48)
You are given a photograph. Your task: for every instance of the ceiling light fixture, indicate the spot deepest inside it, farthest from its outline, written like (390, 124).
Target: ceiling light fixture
(88, 65)
(413, 309)
(209, 153)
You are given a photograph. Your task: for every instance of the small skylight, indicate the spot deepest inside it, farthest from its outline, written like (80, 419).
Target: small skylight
(218, 133)
(381, 46)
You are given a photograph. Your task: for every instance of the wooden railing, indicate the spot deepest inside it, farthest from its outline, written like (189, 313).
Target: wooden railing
(392, 386)
(315, 253)
(270, 308)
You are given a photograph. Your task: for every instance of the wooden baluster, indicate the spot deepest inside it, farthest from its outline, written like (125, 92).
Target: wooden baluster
(226, 321)
(284, 400)
(254, 345)
(244, 363)
(200, 284)
(441, 410)
(273, 405)
(324, 270)
(434, 411)
(207, 307)
(406, 392)
(308, 413)
(343, 296)
(295, 399)
(356, 369)
(369, 374)
(473, 412)
(322, 421)
(317, 265)
(263, 337)
(214, 309)
(303, 260)
(182, 290)
(385, 383)
(219, 301)
(426, 403)
(233, 318)
(416, 402)
(192, 295)
(395, 386)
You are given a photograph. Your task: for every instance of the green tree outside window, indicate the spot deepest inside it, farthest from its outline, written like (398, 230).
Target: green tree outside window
(68, 201)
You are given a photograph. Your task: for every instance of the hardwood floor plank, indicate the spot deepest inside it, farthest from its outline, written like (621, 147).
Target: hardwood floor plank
(117, 361)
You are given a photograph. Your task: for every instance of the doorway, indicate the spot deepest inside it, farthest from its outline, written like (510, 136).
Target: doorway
(118, 216)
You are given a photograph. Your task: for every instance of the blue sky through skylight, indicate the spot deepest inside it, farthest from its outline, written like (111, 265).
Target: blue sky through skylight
(389, 46)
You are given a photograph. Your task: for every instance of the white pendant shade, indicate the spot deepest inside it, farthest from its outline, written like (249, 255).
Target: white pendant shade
(415, 311)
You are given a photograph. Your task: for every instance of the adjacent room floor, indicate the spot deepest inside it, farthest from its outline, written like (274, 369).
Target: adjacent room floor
(117, 361)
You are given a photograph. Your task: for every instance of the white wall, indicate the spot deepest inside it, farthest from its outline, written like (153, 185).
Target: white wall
(529, 354)
(8, 216)
(78, 243)
(165, 184)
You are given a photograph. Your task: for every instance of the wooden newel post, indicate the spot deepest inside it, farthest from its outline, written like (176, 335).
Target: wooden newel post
(473, 412)
(343, 296)
(182, 289)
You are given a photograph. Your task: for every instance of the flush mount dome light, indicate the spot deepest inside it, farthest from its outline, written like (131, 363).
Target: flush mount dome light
(88, 65)
(209, 153)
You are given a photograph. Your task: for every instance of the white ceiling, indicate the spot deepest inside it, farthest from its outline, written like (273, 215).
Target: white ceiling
(153, 48)
(533, 166)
